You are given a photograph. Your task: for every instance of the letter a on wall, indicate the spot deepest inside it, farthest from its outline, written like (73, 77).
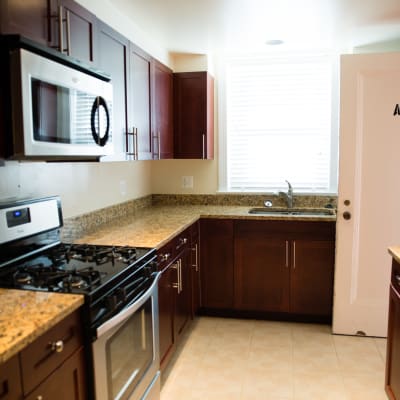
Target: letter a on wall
(396, 110)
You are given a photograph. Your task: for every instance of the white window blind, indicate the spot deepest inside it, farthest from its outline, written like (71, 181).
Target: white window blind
(278, 123)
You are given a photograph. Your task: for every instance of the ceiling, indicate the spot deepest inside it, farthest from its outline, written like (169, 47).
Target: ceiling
(203, 26)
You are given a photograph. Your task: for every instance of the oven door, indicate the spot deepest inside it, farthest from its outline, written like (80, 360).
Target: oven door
(126, 352)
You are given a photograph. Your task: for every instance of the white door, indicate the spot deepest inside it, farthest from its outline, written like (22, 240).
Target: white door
(369, 183)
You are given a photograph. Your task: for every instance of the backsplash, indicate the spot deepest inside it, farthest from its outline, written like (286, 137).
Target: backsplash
(76, 227)
(251, 200)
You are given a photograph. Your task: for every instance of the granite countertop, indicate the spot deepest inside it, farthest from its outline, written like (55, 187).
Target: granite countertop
(395, 252)
(25, 315)
(156, 225)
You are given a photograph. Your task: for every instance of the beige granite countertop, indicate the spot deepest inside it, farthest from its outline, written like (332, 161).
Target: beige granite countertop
(395, 252)
(154, 226)
(25, 315)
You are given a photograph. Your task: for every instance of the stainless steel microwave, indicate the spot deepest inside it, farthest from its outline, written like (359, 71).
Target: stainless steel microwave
(57, 111)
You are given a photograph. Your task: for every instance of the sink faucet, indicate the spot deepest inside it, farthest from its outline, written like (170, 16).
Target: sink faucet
(288, 195)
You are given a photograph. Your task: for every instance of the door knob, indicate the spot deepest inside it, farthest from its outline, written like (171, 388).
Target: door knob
(346, 215)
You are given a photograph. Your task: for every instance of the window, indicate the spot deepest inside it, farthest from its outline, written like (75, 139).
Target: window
(280, 123)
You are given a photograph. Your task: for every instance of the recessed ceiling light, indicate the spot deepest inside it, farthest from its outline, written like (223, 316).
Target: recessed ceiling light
(274, 42)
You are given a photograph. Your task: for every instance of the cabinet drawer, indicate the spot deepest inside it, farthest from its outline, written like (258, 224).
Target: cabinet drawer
(10, 380)
(173, 248)
(51, 349)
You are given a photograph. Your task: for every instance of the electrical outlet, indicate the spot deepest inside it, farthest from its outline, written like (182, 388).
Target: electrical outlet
(122, 187)
(187, 182)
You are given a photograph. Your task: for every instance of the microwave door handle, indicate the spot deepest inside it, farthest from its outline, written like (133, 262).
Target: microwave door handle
(127, 312)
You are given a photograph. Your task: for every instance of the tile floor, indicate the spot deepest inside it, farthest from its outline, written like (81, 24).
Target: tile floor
(232, 359)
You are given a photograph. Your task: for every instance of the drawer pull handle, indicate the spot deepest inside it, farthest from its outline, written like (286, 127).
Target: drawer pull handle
(164, 257)
(40, 397)
(57, 346)
(182, 241)
(397, 277)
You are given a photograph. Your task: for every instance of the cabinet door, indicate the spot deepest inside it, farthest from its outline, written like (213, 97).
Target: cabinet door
(216, 260)
(28, 18)
(139, 115)
(261, 273)
(10, 380)
(195, 268)
(183, 295)
(112, 57)
(166, 304)
(72, 29)
(311, 277)
(162, 133)
(193, 115)
(392, 383)
(66, 383)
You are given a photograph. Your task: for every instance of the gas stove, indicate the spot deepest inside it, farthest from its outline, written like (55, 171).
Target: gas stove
(33, 258)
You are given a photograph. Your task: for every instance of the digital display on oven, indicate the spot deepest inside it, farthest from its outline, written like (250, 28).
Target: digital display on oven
(18, 217)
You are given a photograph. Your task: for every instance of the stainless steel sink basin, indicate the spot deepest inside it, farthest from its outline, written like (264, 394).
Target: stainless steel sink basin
(316, 212)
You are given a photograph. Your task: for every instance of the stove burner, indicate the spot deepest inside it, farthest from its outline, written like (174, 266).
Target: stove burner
(73, 281)
(23, 278)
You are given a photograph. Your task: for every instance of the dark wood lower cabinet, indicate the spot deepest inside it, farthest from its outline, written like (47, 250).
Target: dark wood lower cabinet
(392, 379)
(66, 383)
(10, 380)
(216, 261)
(311, 277)
(261, 273)
(267, 268)
(52, 367)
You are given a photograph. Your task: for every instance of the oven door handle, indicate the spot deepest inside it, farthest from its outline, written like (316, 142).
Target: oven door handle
(128, 311)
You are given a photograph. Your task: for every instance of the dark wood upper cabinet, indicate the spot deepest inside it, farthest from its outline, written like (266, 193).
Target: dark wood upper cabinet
(162, 96)
(139, 104)
(72, 29)
(193, 115)
(112, 58)
(29, 18)
(60, 24)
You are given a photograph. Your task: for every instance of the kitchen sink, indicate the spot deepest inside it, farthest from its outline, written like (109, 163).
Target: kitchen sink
(307, 212)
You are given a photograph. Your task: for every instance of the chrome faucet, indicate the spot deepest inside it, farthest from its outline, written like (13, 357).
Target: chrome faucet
(288, 195)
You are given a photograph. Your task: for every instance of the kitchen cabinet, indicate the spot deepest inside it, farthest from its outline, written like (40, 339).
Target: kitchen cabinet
(162, 96)
(216, 260)
(174, 293)
(112, 57)
(392, 376)
(195, 268)
(139, 104)
(54, 360)
(60, 24)
(29, 18)
(193, 115)
(10, 380)
(284, 267)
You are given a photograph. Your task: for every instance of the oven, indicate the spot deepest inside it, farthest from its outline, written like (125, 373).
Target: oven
(120, 286)
(126, 352)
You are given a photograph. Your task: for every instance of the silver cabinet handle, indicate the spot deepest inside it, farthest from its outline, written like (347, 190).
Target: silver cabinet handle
(68, 25)
(196, 264)
(180, 275)
(60, 30)
(134, 151)
(177, 285)
(287, 254)
(57, 346)
(182, 241)
(136, 144)
(397, 277)
(294, 254)
(204, 147)
(164, 257)
(40, 397)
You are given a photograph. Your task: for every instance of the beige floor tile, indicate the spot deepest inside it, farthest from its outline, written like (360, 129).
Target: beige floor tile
(269, 384)
(365, 386)
(310, 359)
(318, 385)
(381, 346)
(229, 359)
